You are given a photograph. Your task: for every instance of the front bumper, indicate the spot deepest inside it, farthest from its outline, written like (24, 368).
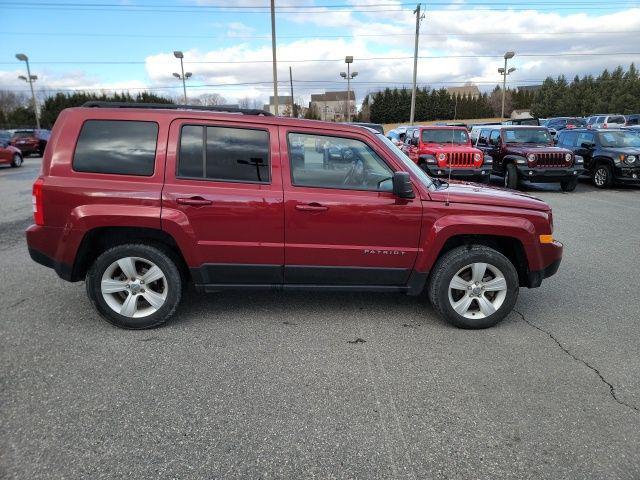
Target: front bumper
(544, 175)
(627, 174)
(550, 257)
(457, 172)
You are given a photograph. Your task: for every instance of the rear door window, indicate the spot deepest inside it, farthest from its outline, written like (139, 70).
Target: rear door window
(494, 139)
(617, 119)
(121, 147)
(224, 154)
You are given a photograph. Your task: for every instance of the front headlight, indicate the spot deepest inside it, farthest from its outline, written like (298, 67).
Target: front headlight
(531, 157)
(442, 157)
(631, 159)
(567, 157)
(477, 157)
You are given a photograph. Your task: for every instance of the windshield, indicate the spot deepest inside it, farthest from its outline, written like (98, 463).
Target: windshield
(24, 134)
(406, 161)
(538, 136)
(577, 122)
(619, 139)
(459, 137)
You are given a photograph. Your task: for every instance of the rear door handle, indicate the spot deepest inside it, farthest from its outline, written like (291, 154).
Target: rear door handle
(312, 207)
(194, 201)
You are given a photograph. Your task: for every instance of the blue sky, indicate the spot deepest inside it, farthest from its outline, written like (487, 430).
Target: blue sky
(468, 37)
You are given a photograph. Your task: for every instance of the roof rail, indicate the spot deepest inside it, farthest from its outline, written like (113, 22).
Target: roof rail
(170, 106)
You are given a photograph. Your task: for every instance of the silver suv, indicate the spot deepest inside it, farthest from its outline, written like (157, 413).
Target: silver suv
(606, 121)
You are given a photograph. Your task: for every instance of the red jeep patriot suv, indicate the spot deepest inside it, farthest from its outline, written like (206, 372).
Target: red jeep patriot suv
(138, 200)
(448, 152)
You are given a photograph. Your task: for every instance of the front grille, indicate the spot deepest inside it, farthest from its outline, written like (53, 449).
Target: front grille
(456, 159)
(550, 160)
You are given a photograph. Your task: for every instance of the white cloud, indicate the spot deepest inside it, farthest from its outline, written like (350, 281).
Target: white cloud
(462, 35)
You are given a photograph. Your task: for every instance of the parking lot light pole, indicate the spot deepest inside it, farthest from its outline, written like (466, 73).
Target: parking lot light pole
(348, 75)
(504, 72)
(184, 76)
(30, 79)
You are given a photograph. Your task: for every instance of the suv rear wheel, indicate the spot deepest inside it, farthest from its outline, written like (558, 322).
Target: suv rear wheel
(602, 176)
(473, 286)
(134, 286)
(511, 177)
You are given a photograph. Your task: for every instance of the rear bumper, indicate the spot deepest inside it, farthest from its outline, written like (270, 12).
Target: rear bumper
(43, 245)
(552, 256)
(543, 175)
(63, 270)
(457, 172)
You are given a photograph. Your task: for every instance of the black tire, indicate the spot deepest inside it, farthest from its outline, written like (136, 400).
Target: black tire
(511, 176)
(449, 264)
(569, 185)
(17, 161)
(603, 176)
(154, 254)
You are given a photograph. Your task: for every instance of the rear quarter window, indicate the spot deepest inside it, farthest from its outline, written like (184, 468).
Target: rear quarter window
(120, 147)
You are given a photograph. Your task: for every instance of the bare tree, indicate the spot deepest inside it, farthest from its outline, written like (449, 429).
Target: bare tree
(208, 99)
(9, 101)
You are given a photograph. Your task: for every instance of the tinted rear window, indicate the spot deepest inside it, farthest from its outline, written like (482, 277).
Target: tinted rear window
(224, 154)
(120, 147)
(618, 119)
(23, 134)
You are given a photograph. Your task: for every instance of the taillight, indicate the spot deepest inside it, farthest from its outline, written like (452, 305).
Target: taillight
(36, 200)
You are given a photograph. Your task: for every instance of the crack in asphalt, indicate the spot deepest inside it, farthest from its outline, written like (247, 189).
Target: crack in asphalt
(612, 390)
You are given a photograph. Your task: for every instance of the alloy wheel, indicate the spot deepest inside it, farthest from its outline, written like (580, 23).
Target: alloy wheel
(600, 176)
(134, 287)
(477, 290)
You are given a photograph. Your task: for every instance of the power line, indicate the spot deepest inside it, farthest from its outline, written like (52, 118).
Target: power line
(268, 37)
(147, 8)
(269, 83)
(364, 59)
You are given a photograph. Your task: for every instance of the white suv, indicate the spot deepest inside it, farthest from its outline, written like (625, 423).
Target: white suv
(606, 121)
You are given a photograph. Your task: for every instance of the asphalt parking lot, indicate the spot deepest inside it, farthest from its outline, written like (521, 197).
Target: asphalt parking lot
(273, 385)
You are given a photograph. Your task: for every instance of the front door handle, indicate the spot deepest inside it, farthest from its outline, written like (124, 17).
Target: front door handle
(311, 207)
(194, 201)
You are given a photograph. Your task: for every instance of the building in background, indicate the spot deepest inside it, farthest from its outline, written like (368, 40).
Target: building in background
(284, 105)
(470, 90)
(332, 106)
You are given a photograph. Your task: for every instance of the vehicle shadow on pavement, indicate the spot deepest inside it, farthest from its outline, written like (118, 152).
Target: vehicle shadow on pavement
(301, 306)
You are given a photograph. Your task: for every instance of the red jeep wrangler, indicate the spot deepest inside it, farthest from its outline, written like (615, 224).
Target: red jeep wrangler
(448, 151)
(138, 200)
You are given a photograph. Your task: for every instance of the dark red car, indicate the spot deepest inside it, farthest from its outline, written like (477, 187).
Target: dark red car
(31, 140)
(9, 155)
(444, 151)
(138, 200)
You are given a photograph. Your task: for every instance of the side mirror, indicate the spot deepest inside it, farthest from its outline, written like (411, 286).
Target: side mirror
(402, 186)
(587, 145)
(414, 142)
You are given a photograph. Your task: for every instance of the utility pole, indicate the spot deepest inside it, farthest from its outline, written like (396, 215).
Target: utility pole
(415, 64)
(293, 105)
(275, 61)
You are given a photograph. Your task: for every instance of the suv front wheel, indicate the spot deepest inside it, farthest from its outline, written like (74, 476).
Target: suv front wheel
(511, 177)
(473, 286)
(134, 286)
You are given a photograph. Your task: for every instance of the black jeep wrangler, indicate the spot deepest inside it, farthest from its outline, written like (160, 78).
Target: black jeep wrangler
(609, 155)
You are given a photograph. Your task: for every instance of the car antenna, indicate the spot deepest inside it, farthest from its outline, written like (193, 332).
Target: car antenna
(449, 155)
